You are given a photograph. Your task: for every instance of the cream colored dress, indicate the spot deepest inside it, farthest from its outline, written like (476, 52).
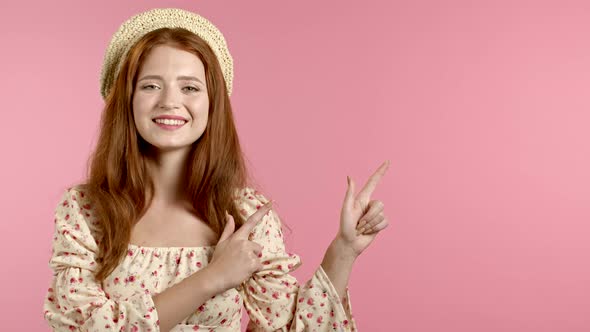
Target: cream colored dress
(273, 298)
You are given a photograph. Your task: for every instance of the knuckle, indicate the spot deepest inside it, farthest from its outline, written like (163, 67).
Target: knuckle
(253, 264)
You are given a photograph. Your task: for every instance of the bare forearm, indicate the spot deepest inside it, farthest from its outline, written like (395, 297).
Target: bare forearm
(337, 263)
(177, 302)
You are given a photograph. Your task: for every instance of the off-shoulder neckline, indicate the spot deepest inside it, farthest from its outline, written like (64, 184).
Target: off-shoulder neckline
(134, 246)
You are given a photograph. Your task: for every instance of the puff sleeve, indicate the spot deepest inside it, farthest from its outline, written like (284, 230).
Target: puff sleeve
(75, 300)
(274, 300)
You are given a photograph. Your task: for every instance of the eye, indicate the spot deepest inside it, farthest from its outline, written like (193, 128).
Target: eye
(192, 88)
(148, 86)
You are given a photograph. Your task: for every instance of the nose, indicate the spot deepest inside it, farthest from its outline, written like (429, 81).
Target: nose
(168, 99)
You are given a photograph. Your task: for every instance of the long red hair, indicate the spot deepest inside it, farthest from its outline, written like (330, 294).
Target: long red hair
(117, 182)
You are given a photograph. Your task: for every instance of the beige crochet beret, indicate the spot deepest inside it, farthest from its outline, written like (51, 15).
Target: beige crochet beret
(139, 25)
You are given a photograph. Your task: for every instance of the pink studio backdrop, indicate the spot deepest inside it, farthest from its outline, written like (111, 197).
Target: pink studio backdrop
(482, 108)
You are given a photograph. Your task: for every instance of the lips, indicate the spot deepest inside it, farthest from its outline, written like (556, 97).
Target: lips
(154, 120)
(169, 127)
(171, 117)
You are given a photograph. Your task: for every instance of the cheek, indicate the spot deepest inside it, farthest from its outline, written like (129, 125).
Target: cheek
(200, 109)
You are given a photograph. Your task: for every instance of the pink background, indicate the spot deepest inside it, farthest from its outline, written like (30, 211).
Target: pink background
(482, 108)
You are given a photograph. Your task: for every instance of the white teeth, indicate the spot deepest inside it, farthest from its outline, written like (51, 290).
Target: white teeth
(170, 122)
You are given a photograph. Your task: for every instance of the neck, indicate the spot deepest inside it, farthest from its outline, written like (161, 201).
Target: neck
(168, 169)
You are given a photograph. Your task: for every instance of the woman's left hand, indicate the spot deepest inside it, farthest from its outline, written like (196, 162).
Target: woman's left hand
(361, 218)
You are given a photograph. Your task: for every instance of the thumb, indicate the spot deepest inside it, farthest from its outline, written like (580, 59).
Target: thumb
(229, 228)
(349, 197)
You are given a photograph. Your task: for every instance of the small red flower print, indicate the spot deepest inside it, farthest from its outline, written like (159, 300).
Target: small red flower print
(345, 322)
(320, 319)
(268, 310)
(309, 315)
(130, 252)
(201, 308)
(134, 328)
(251, 289)
(195, 328)
(67, 217)
(116, 281)
(263, 290)
(275, 295)
(199, 264)
(310, 301)
(301, 299)
(86, 206)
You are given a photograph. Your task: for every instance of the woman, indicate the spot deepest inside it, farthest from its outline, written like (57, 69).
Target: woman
(168, 233)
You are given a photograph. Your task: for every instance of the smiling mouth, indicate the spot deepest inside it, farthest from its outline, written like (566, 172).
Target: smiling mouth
(170, 125)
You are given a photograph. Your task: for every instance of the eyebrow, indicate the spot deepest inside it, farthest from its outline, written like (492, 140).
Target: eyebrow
(158, 77)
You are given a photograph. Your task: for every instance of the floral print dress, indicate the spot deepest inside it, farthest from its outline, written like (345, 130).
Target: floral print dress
(273, 298)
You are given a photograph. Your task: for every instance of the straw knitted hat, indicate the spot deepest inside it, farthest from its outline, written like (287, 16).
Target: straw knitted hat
(137, 26)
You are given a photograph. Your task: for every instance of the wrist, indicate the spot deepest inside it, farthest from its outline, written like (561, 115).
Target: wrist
(213, 280)
(343, 250)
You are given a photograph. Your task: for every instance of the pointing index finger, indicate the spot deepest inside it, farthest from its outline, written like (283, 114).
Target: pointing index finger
(369, 187)
(254, 219)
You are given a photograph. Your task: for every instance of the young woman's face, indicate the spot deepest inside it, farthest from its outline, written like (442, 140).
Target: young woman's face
(171, 82)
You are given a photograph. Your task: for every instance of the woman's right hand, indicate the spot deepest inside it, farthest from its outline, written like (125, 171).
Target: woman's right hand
(235, 257)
